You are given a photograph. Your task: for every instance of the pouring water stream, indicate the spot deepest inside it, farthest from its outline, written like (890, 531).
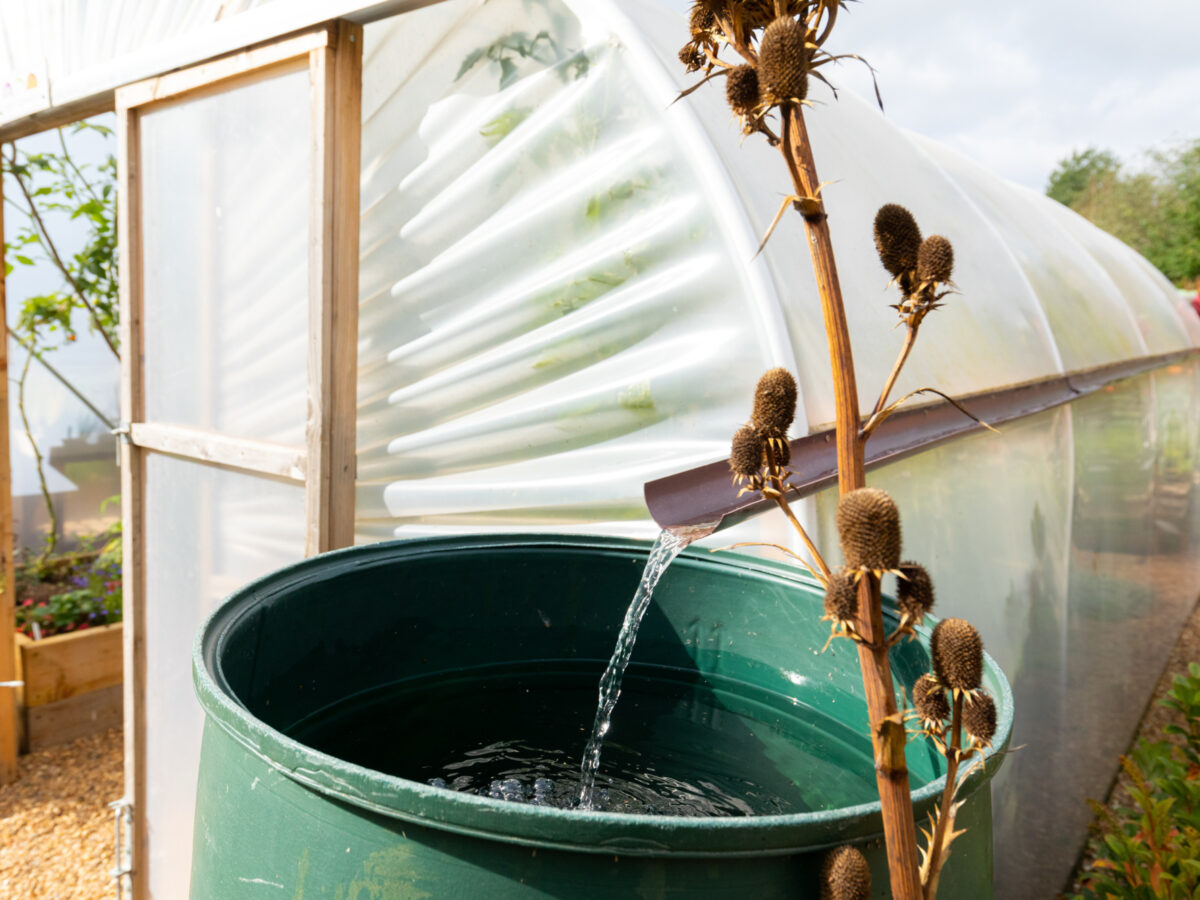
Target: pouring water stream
(668, 546)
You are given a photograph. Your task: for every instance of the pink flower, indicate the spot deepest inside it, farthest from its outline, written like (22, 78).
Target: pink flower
(83, 626)
(28, 601)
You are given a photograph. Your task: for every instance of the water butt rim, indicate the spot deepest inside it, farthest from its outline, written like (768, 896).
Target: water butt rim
(593, 832)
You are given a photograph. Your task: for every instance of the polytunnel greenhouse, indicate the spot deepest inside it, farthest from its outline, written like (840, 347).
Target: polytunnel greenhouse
(527, 284)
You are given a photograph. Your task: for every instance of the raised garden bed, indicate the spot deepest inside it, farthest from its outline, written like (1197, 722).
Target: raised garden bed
(72, 685)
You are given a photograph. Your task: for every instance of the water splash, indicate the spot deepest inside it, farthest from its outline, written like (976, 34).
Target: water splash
(668, 546)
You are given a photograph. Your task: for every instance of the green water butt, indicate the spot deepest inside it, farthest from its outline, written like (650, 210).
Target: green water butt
(341, 693)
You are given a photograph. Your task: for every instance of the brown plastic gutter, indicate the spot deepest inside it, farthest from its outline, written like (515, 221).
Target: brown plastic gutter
(705, 498)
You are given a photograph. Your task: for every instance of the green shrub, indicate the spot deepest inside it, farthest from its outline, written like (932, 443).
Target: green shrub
(1152, 849)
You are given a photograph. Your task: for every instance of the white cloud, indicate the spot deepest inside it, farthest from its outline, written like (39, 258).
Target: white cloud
(1018, 86)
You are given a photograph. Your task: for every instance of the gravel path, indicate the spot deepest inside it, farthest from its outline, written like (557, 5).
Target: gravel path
(56, 830)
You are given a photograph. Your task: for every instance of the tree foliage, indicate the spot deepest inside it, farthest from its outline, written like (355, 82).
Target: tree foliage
(1156, 209)
(51, 185)
(1071, 176)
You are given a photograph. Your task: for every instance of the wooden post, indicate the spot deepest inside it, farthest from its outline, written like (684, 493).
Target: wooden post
(129, 239)
(333, 288)
(8, 664)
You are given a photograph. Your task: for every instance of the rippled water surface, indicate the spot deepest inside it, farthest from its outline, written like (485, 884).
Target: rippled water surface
(681, 744)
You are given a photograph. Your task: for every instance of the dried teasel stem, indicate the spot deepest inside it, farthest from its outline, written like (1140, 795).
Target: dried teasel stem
(888, 734)
(910, 338)
(936, 851)
(782, 549)
(899, 826)
(777, 491)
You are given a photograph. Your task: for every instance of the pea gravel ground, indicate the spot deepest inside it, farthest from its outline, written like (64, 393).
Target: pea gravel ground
(56, 830)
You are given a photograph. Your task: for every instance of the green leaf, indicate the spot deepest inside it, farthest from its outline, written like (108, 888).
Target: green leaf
(469, 62)
(23, 260)
(508, 72)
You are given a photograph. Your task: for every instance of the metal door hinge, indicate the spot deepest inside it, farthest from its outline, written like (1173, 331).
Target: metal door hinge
(122, 846)
(121, 433)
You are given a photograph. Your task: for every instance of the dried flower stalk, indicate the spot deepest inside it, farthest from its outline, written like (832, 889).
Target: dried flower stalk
(781, 45)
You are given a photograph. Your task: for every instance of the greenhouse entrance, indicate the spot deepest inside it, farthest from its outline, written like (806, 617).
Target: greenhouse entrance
(239, 378)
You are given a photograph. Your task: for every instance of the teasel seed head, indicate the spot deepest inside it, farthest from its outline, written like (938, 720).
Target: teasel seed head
(868, 523)
(841, 597)
(845, 875)
(746, 452)
(692, 57)
(929, 698)
(897, 239)
(783, 59)
(957, 652)
(741, 90)
(702, 20)
(979, 718)
(914, 590)
(774, 403)
(935, 259)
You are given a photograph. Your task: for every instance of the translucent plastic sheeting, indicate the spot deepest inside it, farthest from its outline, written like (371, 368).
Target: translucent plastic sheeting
(1082, 568)
(1171, 297)
(225, 199)
(1158, 323)
(1092, 322)
(54, 40)
(556, 260)
(207, 531)
(551, 308)
(999, 558)
(869, 162)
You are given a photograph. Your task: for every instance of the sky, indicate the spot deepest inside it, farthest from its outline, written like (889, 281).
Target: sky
(1017, 86)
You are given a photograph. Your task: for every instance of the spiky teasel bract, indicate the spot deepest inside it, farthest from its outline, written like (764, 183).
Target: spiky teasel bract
(957, 652)
(868, 524)
(784, 59)
(914, 591)
(774, 406)
(979, 719)
(845, 875)
(929, 699)
(935, 260)
(746, 457)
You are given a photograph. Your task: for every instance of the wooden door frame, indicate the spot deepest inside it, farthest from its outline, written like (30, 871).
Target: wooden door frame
(332, 53)
(9, 730)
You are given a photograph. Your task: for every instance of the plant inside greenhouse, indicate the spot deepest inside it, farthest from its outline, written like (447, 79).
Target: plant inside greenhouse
(71, 589)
